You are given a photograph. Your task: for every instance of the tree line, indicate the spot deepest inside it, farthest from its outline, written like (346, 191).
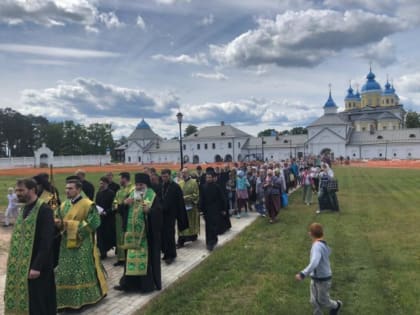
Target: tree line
(21, 134)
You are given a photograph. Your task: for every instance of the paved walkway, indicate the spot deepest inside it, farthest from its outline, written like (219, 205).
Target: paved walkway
(119, 303)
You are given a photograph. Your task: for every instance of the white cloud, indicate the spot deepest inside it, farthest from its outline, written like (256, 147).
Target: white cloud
(172, 1)
(56, 51)
(83, 98)
(250, 112)
(305, 38)
(140, 23)
(410, 83)
(207, 20)
(199, 59)
(383, 52)
(210, 76)
(52, 13)
(110, 20)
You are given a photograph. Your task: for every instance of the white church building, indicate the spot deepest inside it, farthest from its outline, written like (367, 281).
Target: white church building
(370, 127)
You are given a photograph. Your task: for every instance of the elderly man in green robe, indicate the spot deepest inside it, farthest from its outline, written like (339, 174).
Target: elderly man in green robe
(191, 193)
(142, 239)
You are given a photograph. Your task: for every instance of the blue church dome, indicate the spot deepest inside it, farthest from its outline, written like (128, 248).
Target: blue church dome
(330, 102)
(143, 125)
(389, 89)
(371, 84)
(350, 94)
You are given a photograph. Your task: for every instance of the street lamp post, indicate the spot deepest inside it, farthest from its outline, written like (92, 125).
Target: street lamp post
(262, 148)
(290, 146)
(179, 118)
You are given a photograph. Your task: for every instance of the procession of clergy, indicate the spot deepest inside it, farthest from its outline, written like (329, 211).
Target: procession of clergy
(58, 245)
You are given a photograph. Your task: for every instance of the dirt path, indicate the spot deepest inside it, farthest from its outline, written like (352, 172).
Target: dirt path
(5, 234)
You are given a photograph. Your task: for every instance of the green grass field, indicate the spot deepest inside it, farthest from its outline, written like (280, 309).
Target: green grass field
(375, 259)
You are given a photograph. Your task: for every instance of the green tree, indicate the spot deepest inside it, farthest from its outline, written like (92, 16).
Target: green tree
(267, 133)
(99, 138)
(299, 131)
(54, 135)
(412, 120)
(191, 129)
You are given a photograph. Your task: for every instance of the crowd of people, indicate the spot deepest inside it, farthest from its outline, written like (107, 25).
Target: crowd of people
(61, 243)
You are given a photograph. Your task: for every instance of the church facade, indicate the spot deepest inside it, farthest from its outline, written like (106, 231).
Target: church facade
(370, 127)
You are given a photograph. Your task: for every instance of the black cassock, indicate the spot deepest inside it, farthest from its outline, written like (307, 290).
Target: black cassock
(88, 189)
(42, 292)
(213, 205)
(106, 231)
(153, 279)
(114, 186)
(173, 207)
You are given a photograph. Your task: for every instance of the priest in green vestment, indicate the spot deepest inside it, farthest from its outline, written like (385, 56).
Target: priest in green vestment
(80, 277)
(120, 217)
(190, 190)
(30, 285)
(142, 239)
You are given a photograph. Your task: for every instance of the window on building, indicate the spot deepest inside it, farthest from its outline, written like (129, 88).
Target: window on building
(392, 101)
(394, 127)
(354, 154)
(412, 135)
(129, 159)
(383, 127)
(205, 146)
(286, 141)
(380, 154)
(379, 137)
(395, 154)
(409, 154)
(213, 145)
(222, 133)
(230, 145)
(198, 146)
(185, 147)
(363, 128)
(387, 101)
(239, 145)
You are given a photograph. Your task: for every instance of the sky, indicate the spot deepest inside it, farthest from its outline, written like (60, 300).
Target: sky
(253, 64)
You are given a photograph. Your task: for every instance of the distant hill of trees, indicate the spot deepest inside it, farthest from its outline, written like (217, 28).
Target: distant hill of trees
(21, 134)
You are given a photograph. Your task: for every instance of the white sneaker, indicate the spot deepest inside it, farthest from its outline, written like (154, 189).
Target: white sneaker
(318, 211)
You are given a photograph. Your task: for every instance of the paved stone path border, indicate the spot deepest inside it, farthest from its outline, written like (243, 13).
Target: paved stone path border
(120, 303)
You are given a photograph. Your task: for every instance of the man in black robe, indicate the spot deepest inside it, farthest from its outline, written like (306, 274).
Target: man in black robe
(106, 231)
(201, 177)
(152, 280)
(112, 185)
(87, 186)
(213, 205)
(35, 267)
(173, 207)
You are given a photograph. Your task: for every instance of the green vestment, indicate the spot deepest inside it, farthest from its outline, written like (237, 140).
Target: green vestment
(16, 297)
(79, 276)
(191, 197)
(135, 238)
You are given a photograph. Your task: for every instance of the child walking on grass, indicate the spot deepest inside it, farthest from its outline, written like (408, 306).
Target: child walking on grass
(319, 270)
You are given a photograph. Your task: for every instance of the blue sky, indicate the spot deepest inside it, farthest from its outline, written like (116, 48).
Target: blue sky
(255, 64)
